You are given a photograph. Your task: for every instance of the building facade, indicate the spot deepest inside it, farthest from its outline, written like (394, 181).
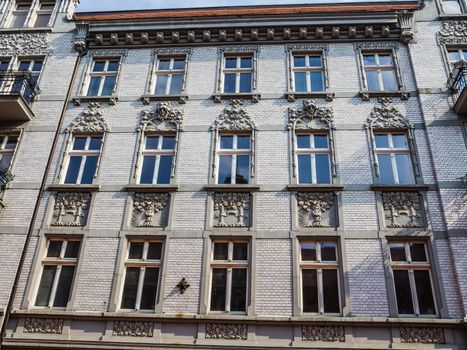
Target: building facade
(243, 177)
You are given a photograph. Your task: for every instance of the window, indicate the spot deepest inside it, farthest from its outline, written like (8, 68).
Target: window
(319, 267)
(393, 158)
(4, 64)
(412, 278)
(58, 270)
(379, 70)
(452, 7)
(238, 74)
(229, 276)
(170, 74)
(31, 67)
(456, 55)
(83, 159)
(142, 275)
(308, 73)
(313, 158)
(234, 152)
(7, 150)
(158, 156)
(103, 77)
(19, 15)
(43, 14)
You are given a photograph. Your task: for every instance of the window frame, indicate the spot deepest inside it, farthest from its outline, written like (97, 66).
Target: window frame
(14, 10)
(234, 152)
(32, 13)
(6, 134)
(238, 71)
(379, 68)
(314, 50)
(169, 72)
(103, 75)
(312, 152)
(39, 11)
(461, 7)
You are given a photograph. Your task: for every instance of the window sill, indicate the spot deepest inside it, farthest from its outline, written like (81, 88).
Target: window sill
(254, 97)
(315, 188)
(151, 188)
(292, 96)
(112, 100)
(388, 187)
(366, 95)
(232, 188)
(446, 16)
(73, 188)
(27, 29)
(182, 99)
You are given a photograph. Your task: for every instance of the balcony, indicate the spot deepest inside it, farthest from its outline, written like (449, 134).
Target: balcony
(17, 92)
(457, 84)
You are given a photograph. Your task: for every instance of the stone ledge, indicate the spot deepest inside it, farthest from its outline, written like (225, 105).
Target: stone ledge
(151, 188)
(182, 98)
(315, 188)
(254, 97)
(411, 187)
(232, 188)
(73, 188)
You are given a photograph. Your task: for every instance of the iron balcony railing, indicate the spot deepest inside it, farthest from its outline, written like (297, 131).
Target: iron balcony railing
(18, 84)
(5, 177)
(458, 79)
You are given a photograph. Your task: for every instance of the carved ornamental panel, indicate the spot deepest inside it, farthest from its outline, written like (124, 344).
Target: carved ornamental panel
(91, 120)
(162, 118)
(133, 328)
(316, 209)
(402, 209)
(453, 32)
(424, 335)
(43, 325)
(231, 209)
(24, 44)
(71, 209)
(230, 331)
(150, 209)
(323, 333)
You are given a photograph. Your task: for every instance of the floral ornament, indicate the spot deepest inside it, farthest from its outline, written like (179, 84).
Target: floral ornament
(399, 204)
(72, 204)
(387, 116)
(146, 206)
(231, 205)
(313, 206)
(163, 117)
(234, 118)
(310, 113)
(90, 121)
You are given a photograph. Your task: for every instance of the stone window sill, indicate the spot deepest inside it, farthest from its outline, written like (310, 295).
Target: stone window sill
(112, 100)
(73, 188)
(366, 95)
(27, 29)
(315, 188)
(151, 188)
(292, 96)
(254, 97)
(182, 98)
(388, 187)
(232, 188)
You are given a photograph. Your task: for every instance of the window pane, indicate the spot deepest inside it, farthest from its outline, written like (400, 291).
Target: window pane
(37, 66)
(399, 141)
(165, 170)
(130, 288)
(161, 84)
(323, 175)
(304, 169)
(240, 251)
(147, 172)
(218, 289)
(179, 64)
(176, 84)
(152, 142)
(403, 294)
(229, 83)
(168, 142)
(315, 61)
(5, 160)
(4, 65)
(310, 291)
(424, 292)
(300, 82)
(246, 62)
(73, 169)
(309, 251)
(372, 80)
(148, 296)
(99, 66)
(385, 60)
(72, 249)
(154, 251)
(328, 251)
(317, 81)
(45, 285)
(231, 62)
(404, 169)
(225, 170)
(303, 141)
(65, 281)
(381, 141)
(385, 169)
(299, 61)
(238, 298)
(398, 252)
(243, 142)
(221, 251)
(42, 20)
(95, 143)
(321, 141)
(330, 291)
(389, 80)
(94, 86)
(89, 170)
(227, 142)
(164, 64)
(19, 19)
(113, 66)
(417, 252)
(109, 85)
(452, 7)
(245, 82)
(80, 143)
(136, 250)
(369, 60)
(243, 170)
(24, 66)
(55, 247)
(454, 56)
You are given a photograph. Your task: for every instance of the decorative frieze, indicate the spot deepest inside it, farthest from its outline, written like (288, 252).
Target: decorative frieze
(386, 116)
(402, 209)
(229, 331)
(377, 45)
(91, 120)
(453, 32)
(231, 209)
(316, 209)
(323, 333)
(234, 117)
(133, 328)
(24, 44)
(163, 117)
(43, 325)
(423, 335)
(71, 209)
(149, 209)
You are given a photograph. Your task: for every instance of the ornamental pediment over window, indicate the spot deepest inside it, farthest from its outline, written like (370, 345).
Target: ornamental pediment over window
(163, 117)
(311, 116)
(453, 32)
(234, 117)
(91, 120)
(386, 116)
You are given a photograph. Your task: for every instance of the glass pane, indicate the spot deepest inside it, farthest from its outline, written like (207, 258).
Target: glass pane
(403, 294)
(238, 298)
(454, 56)
(95, 143)
(42, 20)
(109, 85)
(55, 247)
(152, 142)
(136, 250)
(243, 142)
(24, 66)
(372, 80)
(225, 170)
(231, 62)
(246, 62)
(227, 142)
(11, 142)
(452, 7)
(369, 60)
(176, 84)
(5, 160)
(165, 170)
(315, 61)
(321, 141)
(309, 251)
(385, 60)
(89, 170)
(245, 82)
(303, 141)
(73, 170)
(168, 142)
(62, 295)
(389, 80)
(80, 143)
(130, 288)
(243, 170)
(99, 66)
(404, 169)
(317, 81)
(154, 251)
(221, 251)
(45, 285)
(299, 61)
(179, 64)
(72, 249)
(229, 82)
(218, 289)
(330, 291)
(385, 169)
(240, 251)
(4, 65)
(426, 303)
(398, 252)
(323, 175)
(164, 64)
(399, 141)
(310, 290)
(417, 252)
(148, 296)
(147, 172)
(19, 19)
(328, 251)
(300, 82)
(94, 86)
(161, 84)
(113, 66)
(381, 141)
(304, 169)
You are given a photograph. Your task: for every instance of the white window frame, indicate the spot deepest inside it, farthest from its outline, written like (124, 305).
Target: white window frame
(15, 10)
(312, 152)
(83, 154)
(4, 140)
(459, 2)
(460, 50)
(234, 152)
(40, 11)
(102, 75)
(169, 72)
(230, 264)
(237, 71)
(380, 68)
(157, 153)
(308, 70)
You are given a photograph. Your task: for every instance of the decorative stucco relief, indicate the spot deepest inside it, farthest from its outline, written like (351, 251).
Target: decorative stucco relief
(91, 120)
(316, 209)
(323, 333)
(424, 335)
(387, 116)
(230, 331)
(43, 325)
(402, 209)
(311, 116)
(231, 209)
(234, 117)
(163, 117)
(71, 208)
(133, 328)
(149, 209)
(453, 32)
(24, 44)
